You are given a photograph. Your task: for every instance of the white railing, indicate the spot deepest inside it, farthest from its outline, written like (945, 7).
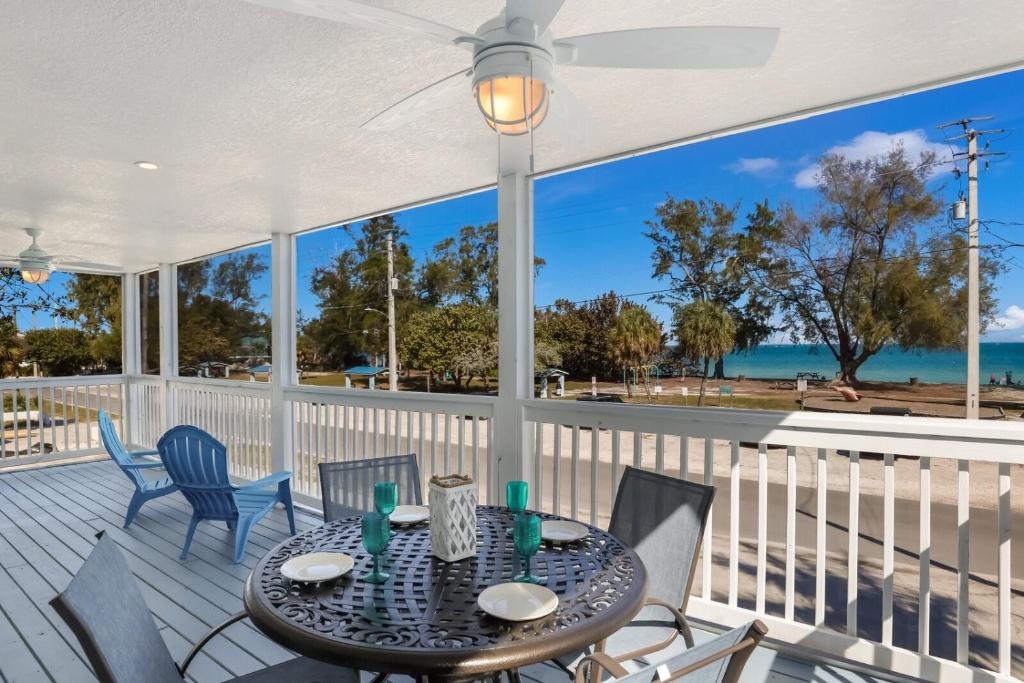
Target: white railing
(448, 433)
(237, 413)
(47, 419)
(145, 410)
(851, 534)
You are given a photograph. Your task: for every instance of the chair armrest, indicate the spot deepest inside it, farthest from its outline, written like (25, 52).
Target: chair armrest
(139, 454)
(600, 660)
(275, 478)
(682, 625)
(207, 638)
(143, 465)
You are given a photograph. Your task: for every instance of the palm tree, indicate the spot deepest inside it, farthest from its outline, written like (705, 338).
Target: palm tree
(704, 330)
(11, 348)
(636, 339)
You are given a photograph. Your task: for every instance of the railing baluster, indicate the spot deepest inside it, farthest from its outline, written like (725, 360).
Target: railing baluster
(924, 603)
(888, 545)
(963, 565)
(734, 522)
(762, 524)
(684, 456)
(460, 423)
(616, 455)
(659, 453)
(408, 433)
(853, 532)
(433, 443)
(556, 472)
(638, 446)
(475, 434)
(1005, 607)
(709, 480)
(538, 466)
(387, 432)
(821, 554)
(447, 443)
(790, 531)
(595, 470)
(574, 476)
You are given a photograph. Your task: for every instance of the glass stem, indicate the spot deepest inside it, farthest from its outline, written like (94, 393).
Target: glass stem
(526, 565)
(376, 565)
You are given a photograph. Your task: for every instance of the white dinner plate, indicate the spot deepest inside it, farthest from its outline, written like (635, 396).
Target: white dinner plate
(316, 567)
(562, 531)
(517, 601)
(410, 514)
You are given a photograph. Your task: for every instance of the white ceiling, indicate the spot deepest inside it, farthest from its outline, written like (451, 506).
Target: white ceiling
(253, 114)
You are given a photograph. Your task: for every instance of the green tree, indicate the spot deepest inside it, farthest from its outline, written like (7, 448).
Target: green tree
(865, 268)
(95, 307)
(459, 338)
(636, 340)
(60, 352)
(696, 252)
(704, 330)
(16, 294)
(580, 333)
(12, 349)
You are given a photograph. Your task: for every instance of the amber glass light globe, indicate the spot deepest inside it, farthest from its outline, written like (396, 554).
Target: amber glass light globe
(512, 105)
(35, 276)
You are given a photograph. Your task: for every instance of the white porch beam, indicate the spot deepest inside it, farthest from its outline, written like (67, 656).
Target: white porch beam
(282, 375)
(168, 304)
(513, 456)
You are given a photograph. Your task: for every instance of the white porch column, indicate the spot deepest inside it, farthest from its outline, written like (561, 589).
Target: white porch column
(130, 351)
(282, 313)
(513, 457)
(168, 303)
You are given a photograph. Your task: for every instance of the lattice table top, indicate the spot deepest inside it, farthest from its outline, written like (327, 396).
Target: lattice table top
(425, 620)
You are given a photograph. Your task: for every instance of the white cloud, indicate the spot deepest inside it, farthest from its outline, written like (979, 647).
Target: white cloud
(1013, 319)
(872, 143)
(755, 166)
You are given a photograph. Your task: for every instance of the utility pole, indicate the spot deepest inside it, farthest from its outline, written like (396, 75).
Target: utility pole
(392, 345)
(973, 260)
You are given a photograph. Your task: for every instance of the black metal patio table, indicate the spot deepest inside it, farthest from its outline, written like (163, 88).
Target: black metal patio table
(425, 621)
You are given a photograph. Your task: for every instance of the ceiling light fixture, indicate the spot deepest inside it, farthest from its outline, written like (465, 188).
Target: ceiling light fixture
(35, 276)
(511, 87)
(146, 165)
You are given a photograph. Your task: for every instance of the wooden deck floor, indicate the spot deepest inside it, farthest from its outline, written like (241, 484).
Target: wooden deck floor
(48, 520)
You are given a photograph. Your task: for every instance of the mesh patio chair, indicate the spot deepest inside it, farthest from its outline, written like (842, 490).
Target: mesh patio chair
(662, 518)
(106, 611)
(198, 464)
(346, 488)
(132, 466)
(719, 660)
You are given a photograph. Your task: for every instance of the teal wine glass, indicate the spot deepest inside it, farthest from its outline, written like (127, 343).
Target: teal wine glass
(376, 534)
(385, 498)
(526, 535)
(516, 493)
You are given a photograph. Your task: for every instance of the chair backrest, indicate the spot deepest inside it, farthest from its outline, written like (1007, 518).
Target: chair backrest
(662, 518)
(198, 464)
(346, 488)
(106, 612)
(118, 453)
(726, 669)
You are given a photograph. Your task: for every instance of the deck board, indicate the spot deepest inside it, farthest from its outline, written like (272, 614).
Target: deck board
(48, 521)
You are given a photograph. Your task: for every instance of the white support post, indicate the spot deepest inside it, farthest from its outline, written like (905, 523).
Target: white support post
(282, 375)
(168, 302)
(513, 455)
(131, 354)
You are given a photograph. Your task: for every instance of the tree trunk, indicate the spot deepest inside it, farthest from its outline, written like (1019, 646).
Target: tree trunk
(647, 387)
(703, 379)
(848, 366)
(629, 385)
(719, 368)
(430, 373)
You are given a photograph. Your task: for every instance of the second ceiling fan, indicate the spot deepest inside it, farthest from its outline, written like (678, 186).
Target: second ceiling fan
(514, 56)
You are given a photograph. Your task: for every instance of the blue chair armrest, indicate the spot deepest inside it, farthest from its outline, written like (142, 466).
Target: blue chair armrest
(143, 465)
(273, 479)
(139, 454)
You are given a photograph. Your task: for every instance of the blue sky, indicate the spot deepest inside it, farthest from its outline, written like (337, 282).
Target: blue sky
(589, 223)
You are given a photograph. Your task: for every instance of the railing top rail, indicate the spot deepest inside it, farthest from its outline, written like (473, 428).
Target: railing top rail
(224, 386)
(71, 381)
(474, 406)
(917, 436)
(145, 379)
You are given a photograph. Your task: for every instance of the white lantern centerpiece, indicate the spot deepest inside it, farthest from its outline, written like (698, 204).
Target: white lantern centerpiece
(453, 517)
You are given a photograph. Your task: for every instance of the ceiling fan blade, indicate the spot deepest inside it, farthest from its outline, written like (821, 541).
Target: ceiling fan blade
(360, 14)
(568, 119)
(430, 98)
(671, 47)
(540, 12)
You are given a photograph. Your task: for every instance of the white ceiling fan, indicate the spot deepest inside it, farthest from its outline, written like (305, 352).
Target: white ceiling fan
(36, 264)
(514, 56)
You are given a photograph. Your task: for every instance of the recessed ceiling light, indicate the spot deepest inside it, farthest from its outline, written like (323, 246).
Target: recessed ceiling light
(146, 165)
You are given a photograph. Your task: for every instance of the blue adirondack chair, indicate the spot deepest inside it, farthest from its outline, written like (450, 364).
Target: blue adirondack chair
(132, 467)
(198, 464)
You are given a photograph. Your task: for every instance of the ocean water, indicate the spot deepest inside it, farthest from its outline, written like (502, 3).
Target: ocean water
(892, 364)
